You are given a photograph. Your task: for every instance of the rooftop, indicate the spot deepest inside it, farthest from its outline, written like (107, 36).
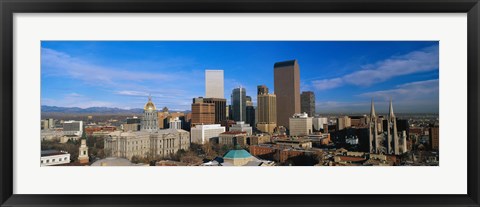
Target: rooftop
(46, 153)
(237, 154)
(285, 63)
(234, 132)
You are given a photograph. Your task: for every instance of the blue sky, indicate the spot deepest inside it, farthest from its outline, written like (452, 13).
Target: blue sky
(344, 75)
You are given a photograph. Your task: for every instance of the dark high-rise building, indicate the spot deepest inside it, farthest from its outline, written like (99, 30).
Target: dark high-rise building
(286, 77)
(220, 108)
(262, 89)
(307, 99)
(250, 116)
(239, 104)
(402, 125)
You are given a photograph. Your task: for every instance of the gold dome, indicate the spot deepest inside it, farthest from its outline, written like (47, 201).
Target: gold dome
(149, 106)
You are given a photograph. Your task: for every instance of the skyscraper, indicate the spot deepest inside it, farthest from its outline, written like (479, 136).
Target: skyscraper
(267, 112)
(262, 89)
(287, 88)
(150, 118)
(392, 135)
(214, 84)
(220, 108)
(202, 113)
(248, 101)
(239, 104)
(307, 99)
(250, 115)
(373, 131)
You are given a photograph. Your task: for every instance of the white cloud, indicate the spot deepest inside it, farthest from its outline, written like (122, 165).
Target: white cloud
(423, 60)
(420, 90)
(327, 83)
(56, 63)
(414, 97)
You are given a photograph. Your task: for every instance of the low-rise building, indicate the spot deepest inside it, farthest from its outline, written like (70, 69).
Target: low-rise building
(319, 123)
(73, 127)
(54, 157)
(300, 125)
(233, 138)
(240, 126)
(239, 157)
(51, 135)
(203, 133)
(158, 144)
(294, 143)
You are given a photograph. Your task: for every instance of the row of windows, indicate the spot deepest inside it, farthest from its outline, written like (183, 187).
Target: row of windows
(53, 160)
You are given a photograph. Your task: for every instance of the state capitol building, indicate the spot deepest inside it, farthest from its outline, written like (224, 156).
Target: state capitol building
(150, 141)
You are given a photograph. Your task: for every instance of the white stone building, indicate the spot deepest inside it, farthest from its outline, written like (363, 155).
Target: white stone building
(202, 133)
(150, 118)
(318, 122)
(175, 123)
(54, 157)
(160, 143)
(300, 124)
(214, 87)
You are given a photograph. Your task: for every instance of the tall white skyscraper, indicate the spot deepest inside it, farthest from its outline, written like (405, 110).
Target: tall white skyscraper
(214, 84)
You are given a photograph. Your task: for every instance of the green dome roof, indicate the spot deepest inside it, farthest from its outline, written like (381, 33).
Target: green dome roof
(237, 154)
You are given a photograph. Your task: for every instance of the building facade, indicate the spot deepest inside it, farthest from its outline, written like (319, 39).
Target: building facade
(266, 111)
(307, 99)
(262, 89)
(239, 104)
(241, 126)
(287, 89)
(233, 138)
(201, 134)
(220, 108)
(319, 122)
(158, 144)
(83, 152)
(300, 125)
(433, 134)
(343, 122)
(73, 128)
(150, 117)
(203, 113)
(53, 157)
(175, 123)
(214, 84)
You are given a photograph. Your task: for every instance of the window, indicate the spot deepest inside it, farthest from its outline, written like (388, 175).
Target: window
(48, 161)
(41, 161)
(53, 160)
(84, 152)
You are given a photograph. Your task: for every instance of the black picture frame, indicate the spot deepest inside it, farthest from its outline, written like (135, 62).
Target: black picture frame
(9, 7)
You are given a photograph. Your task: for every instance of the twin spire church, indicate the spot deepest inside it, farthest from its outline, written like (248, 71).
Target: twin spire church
(384, 141)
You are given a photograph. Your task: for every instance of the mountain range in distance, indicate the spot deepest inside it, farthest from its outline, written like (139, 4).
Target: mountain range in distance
(90, 110)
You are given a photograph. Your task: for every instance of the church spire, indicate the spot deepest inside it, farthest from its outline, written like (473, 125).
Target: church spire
(372, 109)
(391, 109)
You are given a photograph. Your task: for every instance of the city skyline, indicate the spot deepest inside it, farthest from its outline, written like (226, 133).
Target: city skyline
(343, 75)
